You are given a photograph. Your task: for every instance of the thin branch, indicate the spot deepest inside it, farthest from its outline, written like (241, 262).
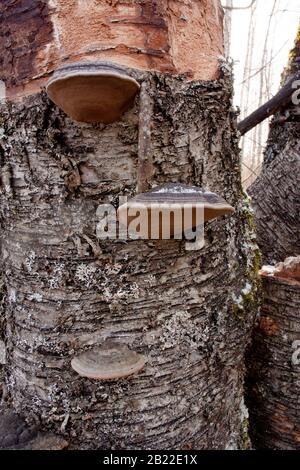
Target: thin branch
(262, 82)
(251, 176)
(240, 8)
(279, 101)
(250, 169)
(268, 63)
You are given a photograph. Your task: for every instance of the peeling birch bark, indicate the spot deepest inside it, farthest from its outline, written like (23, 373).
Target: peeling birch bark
(176, 36)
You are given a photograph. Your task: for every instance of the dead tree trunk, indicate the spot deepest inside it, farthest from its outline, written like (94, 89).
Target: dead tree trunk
(189, 312)
(273, 374)
(274, 386)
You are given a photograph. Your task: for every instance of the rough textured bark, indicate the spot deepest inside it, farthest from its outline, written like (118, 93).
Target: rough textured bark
(189, 312)
(276, 192)
(16, 434)
(66, 292)
(284, 127)
(273, 377)
(276, 203)
(273, 373)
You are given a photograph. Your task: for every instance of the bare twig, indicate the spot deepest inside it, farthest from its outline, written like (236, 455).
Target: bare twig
(266, 65)
(279, 101)
(262, 82)
(228, 27)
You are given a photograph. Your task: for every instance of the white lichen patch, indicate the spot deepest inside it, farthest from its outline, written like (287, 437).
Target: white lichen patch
(2, 353)
(29, 261)
(247, 209)
(150, 280)
(130, 291)
(181, 329)
(36, 297)
(231, 445)
(247, 289)
(244, 410)
(58, 273)
(12, 296)
(239, 299)
(86, 274)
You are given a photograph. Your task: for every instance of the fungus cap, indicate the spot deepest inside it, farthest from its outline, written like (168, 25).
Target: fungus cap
(288, 270)
(173, 208)
(92, 91)
(108, 361)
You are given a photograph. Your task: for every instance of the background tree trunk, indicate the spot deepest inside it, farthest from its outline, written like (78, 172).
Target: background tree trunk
(273, 376)
(273, 371)
(228, 27)
(275, 193)
(190, 313)
(276, 203)
(284, 129)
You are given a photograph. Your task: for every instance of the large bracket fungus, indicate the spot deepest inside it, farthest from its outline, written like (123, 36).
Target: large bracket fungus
(92, 91)
(170, 210)
(109, 361)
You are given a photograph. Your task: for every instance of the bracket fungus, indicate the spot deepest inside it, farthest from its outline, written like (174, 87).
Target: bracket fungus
(288, 270)
(92, 91)
(170, 210)
(108, 361)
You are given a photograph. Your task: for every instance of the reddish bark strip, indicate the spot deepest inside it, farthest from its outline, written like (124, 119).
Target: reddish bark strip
(26, 28)
(176, 37)
(273, 365)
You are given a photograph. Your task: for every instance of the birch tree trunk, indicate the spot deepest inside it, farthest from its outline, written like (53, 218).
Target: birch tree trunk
(189, 312)
(273, 368)
(228, 27)
(275, 193)
(273, 359)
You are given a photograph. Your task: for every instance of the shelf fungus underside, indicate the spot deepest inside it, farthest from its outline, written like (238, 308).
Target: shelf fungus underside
(109, 361)
(170, 210)
(93, 92)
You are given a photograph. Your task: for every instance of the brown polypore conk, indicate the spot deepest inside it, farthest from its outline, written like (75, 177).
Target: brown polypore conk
(170, 210)
(92, 91)
(288, 270)
(109, 361)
